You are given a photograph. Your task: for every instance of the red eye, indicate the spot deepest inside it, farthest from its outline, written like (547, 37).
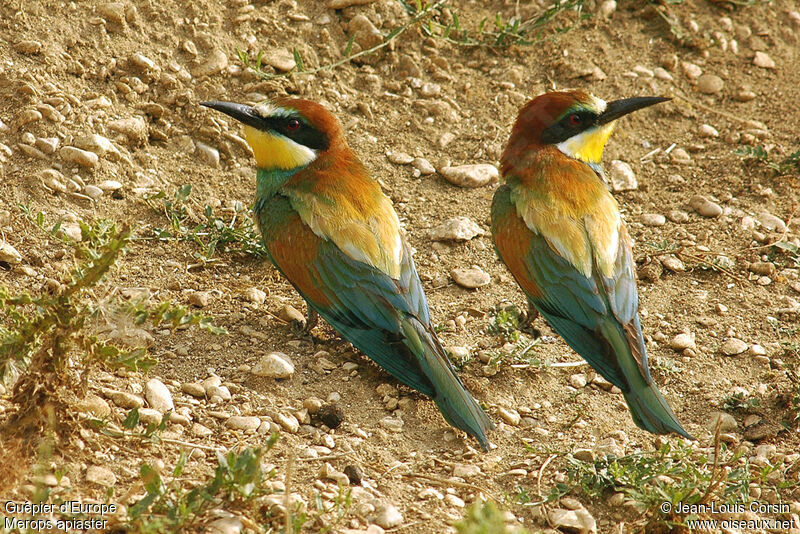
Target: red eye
(575, 119)
(293, 125)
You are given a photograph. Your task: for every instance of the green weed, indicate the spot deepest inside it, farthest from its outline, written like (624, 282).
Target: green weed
(788, 165)
(738, 402)
(484, 517)
(505, 322)
(169, 507)
(210, 232)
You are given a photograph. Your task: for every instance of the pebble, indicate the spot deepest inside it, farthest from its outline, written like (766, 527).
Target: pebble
(158, 396)
(471, 278)
(763, 60)
(691, 71)
(680, 155)
(705, 207)
(662, 74)
(28, 116)
(243, 422)
(430, 493)
(9, 254)
(28, 47)
(291, 314)
(354, 474)
(133, 128)
(771, 222)
(287, 421)
(393, 424)
(706, 130)
(208, 153)
(149, 416)
(281, 59)
(95, 405)
(744, 95)
(509, 415)
(424, 166)
(682, 342)
(673, 263)
(112, 12)
(710, 84)
(607, 8)
(48, 145)
(454, 501)
(466, 470)
(678, 216)
(387, 516)
(653, 219)
(578, 381)
(764, 268)
(726, 420)
(573, 520)
(584, 455)
(199, 299)
(215, 62)
(123, 399)
(399, 158)
(75, 155)
(274, 365)
(109, 186)
(328, 472)
(254, 295)
(622, 176)
(456, 229)
(733, 346)
(101, 476)
(471, 176)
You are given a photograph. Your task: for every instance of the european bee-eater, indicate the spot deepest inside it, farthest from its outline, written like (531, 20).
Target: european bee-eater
(559, 231)
(335, 236)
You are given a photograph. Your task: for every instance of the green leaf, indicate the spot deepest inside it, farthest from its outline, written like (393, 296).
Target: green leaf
(298, 60)
(132, 419)
(349, 46)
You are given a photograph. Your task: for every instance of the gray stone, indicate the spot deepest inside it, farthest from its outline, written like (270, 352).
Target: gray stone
(726, 421)
(243, 422)
(580, 521)
(78, 156)
(733, 346)
(387, 516)
(101, 476)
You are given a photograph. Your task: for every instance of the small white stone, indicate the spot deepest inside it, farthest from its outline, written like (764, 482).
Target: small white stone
(705, 207)
(387, 516)
(281, 59)
(662, 74)
(622, 176)
(509, 415)
(109, 186)
(243, 422)
(393, 424)
(733, 346)
(399, 158)
(274, 365)
(691, 71)
(92, 191)
(683, 341)
(471, 278)
(578, 381)
(653, 219)
(710, 84)
(607, 8)
(763, 60)
(9, 254)
(456, 229)
(466, 470)
(209, 154)
(424, 166)
(78, 156)
(287, 421)
(471, 176)
(454, 501)
(706, 130)
(254, 295)
(158, 396)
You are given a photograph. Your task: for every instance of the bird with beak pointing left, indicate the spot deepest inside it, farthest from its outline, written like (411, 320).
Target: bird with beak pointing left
(559, 231)
(330, 230)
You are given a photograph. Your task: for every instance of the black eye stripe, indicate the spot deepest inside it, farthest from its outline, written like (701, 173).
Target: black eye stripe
(564, 128)
(302, 133)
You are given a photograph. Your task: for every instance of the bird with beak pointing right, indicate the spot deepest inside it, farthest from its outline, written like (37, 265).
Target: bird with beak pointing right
(559, 231)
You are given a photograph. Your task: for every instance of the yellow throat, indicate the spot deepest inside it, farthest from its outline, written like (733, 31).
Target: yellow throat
(588, 145)
(274, 151)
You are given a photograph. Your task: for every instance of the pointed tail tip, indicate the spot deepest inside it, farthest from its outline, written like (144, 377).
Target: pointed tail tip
(651, 412)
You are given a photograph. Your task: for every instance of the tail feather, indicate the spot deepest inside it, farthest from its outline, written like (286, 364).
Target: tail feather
(456, 404)
(649, 408)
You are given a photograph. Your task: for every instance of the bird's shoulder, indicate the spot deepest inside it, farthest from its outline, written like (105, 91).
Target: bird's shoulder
(338, 199)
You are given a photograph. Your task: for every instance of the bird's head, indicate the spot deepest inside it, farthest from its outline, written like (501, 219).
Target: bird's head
(285, 133)
(577, 123)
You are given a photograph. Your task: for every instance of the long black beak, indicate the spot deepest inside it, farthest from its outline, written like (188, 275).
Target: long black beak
(618, 108)
(244, 114)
